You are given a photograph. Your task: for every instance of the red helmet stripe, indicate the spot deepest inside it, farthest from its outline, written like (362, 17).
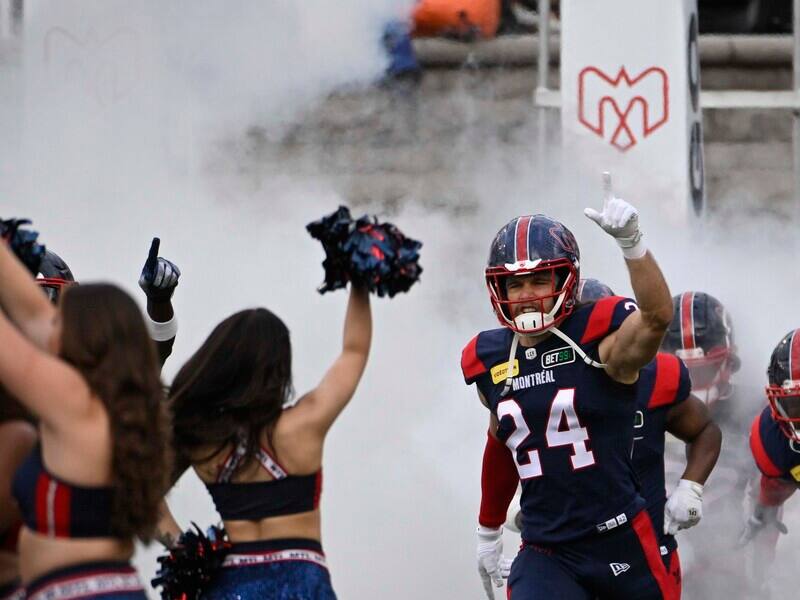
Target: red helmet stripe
(794, 356)
(687, 320)
(523, 227)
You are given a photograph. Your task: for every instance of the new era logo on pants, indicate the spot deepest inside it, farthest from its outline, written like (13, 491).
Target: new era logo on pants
(618, 568)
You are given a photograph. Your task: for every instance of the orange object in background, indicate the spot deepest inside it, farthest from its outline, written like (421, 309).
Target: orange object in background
(458, 18)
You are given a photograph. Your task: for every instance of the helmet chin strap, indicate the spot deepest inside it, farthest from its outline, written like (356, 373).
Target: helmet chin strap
(515, 342)
(510, 365)
(588, 360)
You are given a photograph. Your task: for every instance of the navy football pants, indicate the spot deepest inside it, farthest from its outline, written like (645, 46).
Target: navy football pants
(622, 564)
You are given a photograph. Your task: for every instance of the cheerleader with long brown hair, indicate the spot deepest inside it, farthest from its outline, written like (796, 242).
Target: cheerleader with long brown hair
(88, 373)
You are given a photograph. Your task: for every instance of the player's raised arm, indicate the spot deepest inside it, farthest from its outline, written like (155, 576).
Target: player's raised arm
(158, 281)
(636, 342)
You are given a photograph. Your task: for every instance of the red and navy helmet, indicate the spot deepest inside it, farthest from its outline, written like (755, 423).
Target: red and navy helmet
(701, 335)
(53, 275)
(783, 390)
(533, 244)
(592, 290)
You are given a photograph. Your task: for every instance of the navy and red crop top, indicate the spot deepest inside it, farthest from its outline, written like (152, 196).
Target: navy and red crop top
(285, 494)
(56, 508)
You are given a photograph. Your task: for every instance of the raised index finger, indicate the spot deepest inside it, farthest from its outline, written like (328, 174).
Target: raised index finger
(608, 192)
(152, 256)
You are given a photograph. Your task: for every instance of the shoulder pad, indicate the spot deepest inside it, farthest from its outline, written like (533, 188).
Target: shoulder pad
(671, 384)
(482, 351)
(606, 316)
(760, 453)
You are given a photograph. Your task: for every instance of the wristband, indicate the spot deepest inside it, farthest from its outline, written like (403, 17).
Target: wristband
(637, 250)
(161, 331)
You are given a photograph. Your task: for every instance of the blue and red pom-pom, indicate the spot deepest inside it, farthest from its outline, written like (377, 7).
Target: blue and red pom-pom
(191, 564)
(23, 243)
(377, 255)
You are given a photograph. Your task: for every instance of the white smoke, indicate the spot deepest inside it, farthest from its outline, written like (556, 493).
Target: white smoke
(128, 122)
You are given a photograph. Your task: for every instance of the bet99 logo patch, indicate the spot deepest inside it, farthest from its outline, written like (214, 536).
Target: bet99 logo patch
(558, 357)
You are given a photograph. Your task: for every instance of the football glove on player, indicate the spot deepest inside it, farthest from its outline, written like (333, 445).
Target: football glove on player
(493, 567)
(159, 276)
(684, 507)
(761, 517)
(620, 220)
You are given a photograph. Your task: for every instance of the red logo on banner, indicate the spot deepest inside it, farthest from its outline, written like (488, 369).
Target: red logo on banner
(598, 92)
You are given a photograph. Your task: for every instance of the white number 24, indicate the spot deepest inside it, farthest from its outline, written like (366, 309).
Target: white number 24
(562, 409)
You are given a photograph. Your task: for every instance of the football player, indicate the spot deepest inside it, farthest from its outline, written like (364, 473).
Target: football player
(664, 403)
(701, 335)
(560, 380)
(775, 444)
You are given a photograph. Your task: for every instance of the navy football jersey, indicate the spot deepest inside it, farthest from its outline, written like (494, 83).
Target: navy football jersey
(568, 424)
(662, 384)
(774, 453)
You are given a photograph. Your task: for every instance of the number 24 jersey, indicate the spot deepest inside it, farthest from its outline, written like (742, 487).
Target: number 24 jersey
(567, 424)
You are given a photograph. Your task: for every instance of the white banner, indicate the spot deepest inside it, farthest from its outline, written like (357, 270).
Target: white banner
(630, 99)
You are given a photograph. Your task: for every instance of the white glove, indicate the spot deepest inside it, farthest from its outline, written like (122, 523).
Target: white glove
(758, 520)
(684, 507)
(492, 566)
(620, 220)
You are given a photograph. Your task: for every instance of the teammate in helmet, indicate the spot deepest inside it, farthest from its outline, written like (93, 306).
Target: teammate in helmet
(592, 290)
(564, 405)
(775, 449)
(701, 335)
(53, 275)
(158, 280)
(775, 439)
(664, 403)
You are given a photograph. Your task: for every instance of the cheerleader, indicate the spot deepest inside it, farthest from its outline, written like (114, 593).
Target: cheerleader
(87, 372)
(259, 454)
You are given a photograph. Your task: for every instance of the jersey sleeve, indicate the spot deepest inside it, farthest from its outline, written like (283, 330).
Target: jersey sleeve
(606, 316)
(763, 460)
(472, 367)
(672, 384)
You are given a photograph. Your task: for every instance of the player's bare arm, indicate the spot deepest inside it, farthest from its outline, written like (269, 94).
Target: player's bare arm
(636, 342)
(691, 422)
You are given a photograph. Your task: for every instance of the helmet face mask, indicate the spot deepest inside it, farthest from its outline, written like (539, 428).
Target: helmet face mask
(710, 372)
(784, 402)
(53, 286)
(537, 246)
(562, 277)
(783, 391)
(54, 275)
